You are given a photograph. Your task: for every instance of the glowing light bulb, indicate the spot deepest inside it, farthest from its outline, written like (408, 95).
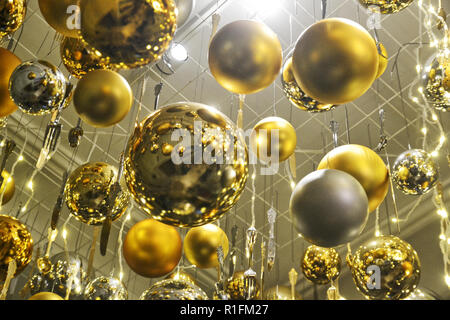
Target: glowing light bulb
(128, 217)
(253, 176)
(420, 89)
(30, 184)
(442, 237)
(178, 52)
(292, 184)
(441, 139)
(434, 154)
(434, 117)
(418, 68)
(64, 234)
(377, 233)
(20, 158)
(394, 220)
(415, 99)
(443, 213)
(447, 280)
(424, 130)
(121, 276)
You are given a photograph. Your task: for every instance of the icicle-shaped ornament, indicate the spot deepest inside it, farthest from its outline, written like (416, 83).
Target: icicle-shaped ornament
(293, 276)
(271, 247)
(251, 240)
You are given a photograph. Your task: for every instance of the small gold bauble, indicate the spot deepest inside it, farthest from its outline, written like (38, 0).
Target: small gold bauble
(105, 288)
(436, 82)
(273, 136)
(152, 249)
(45, 296)
(245, 56)
(87, 190)
(8, 187)
(385, 268)
(201, 243)
(235, 287)
(8, 63)
(61, 15)
(12, 15)
(364, 165)
(321, 265)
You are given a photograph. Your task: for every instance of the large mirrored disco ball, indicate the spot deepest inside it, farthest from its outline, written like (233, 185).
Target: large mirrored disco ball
(105, 288)
(87, 190)
(436, 82)
(12, 15)
(128, 33)
(415, 172)
(385, 268)
(37, 87)
(186, 165)
(386, 6)
(170, 289)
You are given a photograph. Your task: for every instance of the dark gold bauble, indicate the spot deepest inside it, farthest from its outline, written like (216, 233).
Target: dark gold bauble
(273, 138)
(235, 287)
(152, 249)
(385, 6)
(171, 289)
(415, 172)
(364, 165)
(181, 275)
(321, 265)
(8, 187)
(382, 61)
(8, 63)
(12, 15)
(245, 56)
(335, 61)
(37, 87)
(45, 296)
(61, 15)
(77, 59)
(329, 208)
(128, 33)
(182, 183)
(15, 244)
(87, 190)
(281, 293)
(105, 288)
(296, 95)
(385, 268)
(436, 82)
(201, 243)
(102, 98)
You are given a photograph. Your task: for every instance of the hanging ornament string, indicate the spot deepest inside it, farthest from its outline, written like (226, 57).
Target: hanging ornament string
(240, 116)
(324, 8)
(394, 200)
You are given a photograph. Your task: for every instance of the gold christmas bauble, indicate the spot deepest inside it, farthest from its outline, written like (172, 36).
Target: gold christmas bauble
(385, 7)
(152, 249)
(45, 296)
(321, 265)
(365, 166)
(77, 59)
(181, 275)
(128, 33)
(296, 95)
(15, 244)
(102, 98)
(335, 61)
(235, 287)
(8, 63)
(87, 190)
(436, 82)
(382, 61)
(201, 243)
(273, 136)
(12, 15)
(385, 268)
(281, 293)
(8, 187)
(61, 15)
(245, 56)
(192, 179)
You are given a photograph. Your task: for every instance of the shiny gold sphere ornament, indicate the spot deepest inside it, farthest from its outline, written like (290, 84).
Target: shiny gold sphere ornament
(8, 63)
(12, 15)
(436, 82)
(245, 56)
(8, 187)
(37, 87)
(235, 287)
(45, 296)
(382, 61)
(15, 244)
(273, 136)
(385, 268)
(335, 61)
(152, 249)
(61, 15)
(128, 33)
(296, 95)
(280, 293)
(181, 275)
(321, 265)
(201, 243)
(105, 288)
(415, 172)
(192, 182)
(170, 289)
(365, 165)
(329, 208)
(87, 190)
(386, 6)
(77, 59)
(102, 98)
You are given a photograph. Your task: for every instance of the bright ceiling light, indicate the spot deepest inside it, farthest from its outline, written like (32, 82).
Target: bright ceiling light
(178, 52)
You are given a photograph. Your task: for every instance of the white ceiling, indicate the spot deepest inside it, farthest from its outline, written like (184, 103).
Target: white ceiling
(193, 82)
